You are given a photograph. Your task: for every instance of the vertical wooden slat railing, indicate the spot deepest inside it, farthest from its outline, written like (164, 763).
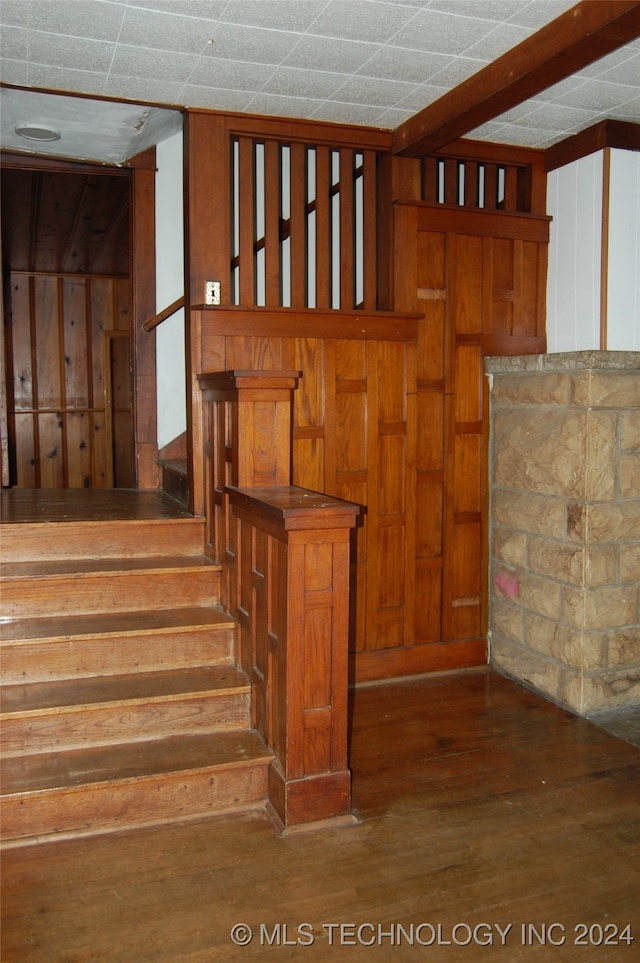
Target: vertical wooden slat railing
(285, 554)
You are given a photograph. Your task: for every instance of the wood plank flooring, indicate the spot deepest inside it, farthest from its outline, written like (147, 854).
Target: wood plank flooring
(479, 803)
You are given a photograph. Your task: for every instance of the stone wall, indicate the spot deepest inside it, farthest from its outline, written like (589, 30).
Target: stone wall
(565, 525)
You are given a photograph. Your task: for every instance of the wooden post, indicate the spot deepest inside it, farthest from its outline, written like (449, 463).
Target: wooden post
(293, 610)
(247, 442)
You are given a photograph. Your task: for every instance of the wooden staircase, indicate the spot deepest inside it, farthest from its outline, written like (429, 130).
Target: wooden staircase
(122, 703)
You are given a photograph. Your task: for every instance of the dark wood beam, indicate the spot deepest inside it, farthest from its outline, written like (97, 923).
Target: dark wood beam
(578, 37)
(608, 133)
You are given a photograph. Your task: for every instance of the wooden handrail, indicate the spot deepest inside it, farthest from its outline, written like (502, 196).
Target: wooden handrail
(163, 315)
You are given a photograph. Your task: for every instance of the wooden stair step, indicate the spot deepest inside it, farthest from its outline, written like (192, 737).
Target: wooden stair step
(109, 643)
(28, 541)
(84, 791)
(73, 713)
(81, 586)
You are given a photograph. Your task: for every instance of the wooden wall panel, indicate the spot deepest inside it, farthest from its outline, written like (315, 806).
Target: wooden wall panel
(68, 398)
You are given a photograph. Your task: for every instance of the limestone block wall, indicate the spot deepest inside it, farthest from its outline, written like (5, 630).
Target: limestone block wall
(564, 467)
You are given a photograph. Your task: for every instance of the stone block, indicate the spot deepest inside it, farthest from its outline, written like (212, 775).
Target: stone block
(557, 560)
(600, 456)
(623, 647)
(527, 512)
(629, 430)
(563, 643)
(608, 690)
(607, 389)
(544, 388)
(525, 665)
(611, 606)
(577, 521)
(540, 595)
(507, 621)
(541, 450)
(570, 689)
(630, 562)
(612, 522)
(630, 474)
(509, 546)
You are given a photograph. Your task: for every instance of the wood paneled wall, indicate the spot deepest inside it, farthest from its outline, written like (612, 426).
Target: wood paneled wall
(69, 382)
(390, 409)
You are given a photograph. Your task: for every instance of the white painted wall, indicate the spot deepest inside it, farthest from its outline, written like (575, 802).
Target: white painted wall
(574, 201)
(623, 295)
(170, 335)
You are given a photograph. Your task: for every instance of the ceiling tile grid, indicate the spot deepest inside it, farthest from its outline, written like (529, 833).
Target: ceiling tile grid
(373, 62)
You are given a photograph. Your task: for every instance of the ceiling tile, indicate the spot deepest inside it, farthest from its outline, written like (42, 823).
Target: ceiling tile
(143, 62)
(626, 72)
(497, 42)
(347, 113)
(73, 52)
(373, 22)
(496, 10)
(442, 32)
(274, 105)
(395, 63)
(14, 43)
(147, 89)
(294, 82)
(205, 9)
(160, 31)
(215, 98)
(360, 90)
(250, 44)
(61, 78)
(210, 72)
(14, 13)
(77, 18)
(328, 53)
(537, 13)
(556, 117)
(13, 72)
(606, 95)
(274, 15)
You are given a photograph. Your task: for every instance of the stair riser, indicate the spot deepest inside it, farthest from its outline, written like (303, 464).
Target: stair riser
(114, 539)
(123, 804)
(109, 592)
(101, 725)
(81, 658)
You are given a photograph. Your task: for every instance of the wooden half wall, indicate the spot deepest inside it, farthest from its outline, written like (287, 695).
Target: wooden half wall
(390, 409)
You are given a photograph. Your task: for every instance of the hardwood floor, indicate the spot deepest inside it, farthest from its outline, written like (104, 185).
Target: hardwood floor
(20, 505)
(479, 803)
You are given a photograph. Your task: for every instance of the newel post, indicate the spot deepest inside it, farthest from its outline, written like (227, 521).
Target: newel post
(293, 611)
(247, 444)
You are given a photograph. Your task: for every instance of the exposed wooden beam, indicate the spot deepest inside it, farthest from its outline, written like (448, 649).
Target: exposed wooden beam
(578, 37)
(608, 133)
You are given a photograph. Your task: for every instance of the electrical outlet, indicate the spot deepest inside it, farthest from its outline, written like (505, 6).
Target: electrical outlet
(212, 292)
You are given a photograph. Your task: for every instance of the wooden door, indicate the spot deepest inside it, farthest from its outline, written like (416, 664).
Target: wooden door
(481, 284)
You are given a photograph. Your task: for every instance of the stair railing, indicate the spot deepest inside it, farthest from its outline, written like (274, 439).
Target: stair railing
(285, 556)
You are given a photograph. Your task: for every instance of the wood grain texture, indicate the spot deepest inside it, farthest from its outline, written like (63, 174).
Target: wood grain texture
(478, 801)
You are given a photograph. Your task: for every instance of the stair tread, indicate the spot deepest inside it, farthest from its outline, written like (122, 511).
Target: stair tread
(104, 624)
(63, 568)
(25, 699)
(103, 764)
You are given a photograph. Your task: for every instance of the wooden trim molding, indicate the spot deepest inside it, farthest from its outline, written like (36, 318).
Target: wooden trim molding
(309, 323)
(578, 37)
(608, 133)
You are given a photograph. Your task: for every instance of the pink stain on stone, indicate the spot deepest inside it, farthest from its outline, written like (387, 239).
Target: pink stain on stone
(508, 586)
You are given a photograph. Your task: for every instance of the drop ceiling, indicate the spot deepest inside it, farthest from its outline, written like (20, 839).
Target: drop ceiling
(368, 62)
